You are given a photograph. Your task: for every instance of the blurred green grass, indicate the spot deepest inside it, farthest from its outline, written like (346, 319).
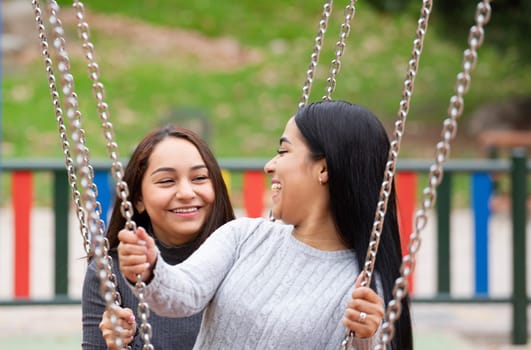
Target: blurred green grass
(247, 106)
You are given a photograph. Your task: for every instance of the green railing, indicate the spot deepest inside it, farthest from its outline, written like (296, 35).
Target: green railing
(517, 169)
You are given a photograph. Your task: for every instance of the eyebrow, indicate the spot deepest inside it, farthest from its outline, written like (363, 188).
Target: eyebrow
(163, 169)
(284, 139)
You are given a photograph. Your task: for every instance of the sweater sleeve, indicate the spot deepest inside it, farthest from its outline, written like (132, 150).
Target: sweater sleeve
(93, 307)
(185, 289)
(367, 343)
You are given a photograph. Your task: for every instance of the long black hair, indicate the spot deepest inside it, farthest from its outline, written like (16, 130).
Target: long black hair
(355, 146)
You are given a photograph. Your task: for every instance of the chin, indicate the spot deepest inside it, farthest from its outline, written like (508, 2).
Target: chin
(279, 217)
(189, 231)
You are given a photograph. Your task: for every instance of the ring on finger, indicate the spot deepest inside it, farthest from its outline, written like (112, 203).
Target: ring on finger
(363, 316)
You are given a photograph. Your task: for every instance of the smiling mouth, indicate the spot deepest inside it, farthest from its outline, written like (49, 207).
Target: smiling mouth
(185, 210)
(276, 187)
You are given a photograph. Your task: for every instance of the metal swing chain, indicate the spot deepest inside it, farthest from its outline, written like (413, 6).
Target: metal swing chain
(335, 65)
(449, 131)
(390, 167)
(122, 190)
(108, 280)
(385, 190)
(314, 58)
(72, 179)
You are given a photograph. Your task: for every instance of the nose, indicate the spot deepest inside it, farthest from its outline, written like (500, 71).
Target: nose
(185, 190)
(269, 166)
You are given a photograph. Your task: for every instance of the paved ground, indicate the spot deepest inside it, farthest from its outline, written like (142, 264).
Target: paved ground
(439, 327)
(436, 326)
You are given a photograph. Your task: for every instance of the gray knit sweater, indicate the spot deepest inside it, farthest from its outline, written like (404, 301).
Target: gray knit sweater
(168, 333)
(262, 289)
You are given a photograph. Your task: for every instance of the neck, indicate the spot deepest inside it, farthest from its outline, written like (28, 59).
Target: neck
(320, 235)
(170, 245)
(168, 241)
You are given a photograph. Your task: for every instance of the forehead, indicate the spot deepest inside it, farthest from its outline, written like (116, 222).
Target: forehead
(291, 132)
(174, 150)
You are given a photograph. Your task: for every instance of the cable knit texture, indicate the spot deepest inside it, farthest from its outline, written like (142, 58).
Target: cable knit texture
(261, 289)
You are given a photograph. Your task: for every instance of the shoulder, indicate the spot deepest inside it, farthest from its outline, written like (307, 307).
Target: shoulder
(244, 231)
(247, 227)
(248, 234)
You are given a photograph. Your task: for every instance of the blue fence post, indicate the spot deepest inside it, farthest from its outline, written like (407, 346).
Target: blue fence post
(481, 193)
(105, 194)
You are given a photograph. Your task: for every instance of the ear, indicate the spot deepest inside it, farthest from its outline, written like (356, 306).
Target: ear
(140, 207)
(323, 172)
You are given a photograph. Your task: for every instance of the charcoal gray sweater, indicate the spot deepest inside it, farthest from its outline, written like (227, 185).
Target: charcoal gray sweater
(168, 333)
(261, 288)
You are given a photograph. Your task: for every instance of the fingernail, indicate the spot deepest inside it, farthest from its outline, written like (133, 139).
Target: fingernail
(142, 242)
(131, 319)
(148, 265)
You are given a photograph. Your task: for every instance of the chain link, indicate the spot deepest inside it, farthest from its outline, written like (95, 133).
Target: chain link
(390, 167)
(449, 130)
(72, 178)
(112, 150)
(71, 104)
(335, 65)
(108, 280)
(314, 58)
(103, 262)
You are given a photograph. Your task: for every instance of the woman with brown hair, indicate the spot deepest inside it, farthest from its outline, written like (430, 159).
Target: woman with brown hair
(179, 198)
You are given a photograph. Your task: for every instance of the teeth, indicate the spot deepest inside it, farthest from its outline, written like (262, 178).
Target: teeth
(185, 210)
(275, 187)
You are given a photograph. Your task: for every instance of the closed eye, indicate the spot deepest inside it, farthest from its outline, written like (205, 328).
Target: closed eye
(200, 178)
(281, 151)
(165, 181)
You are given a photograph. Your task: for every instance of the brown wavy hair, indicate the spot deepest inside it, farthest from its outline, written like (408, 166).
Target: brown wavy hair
(137, 165)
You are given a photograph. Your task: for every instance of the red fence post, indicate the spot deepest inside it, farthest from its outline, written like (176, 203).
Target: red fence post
(22, 196)
(253, 193)
(406, 187)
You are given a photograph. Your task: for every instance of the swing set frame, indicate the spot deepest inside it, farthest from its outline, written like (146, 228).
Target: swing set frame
(81, 173)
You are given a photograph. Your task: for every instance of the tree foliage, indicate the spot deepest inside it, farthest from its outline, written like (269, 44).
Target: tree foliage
(508, 29)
